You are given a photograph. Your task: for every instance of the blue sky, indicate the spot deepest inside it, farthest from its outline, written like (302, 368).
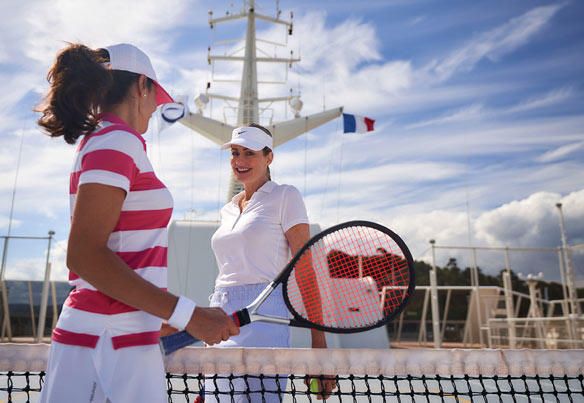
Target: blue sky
(479, 109)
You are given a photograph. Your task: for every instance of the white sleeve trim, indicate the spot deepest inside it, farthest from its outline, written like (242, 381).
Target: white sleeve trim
(295, 222)
(105, 178)
(293, 210)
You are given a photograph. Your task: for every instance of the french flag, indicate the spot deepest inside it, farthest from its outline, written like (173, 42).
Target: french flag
(357, 124)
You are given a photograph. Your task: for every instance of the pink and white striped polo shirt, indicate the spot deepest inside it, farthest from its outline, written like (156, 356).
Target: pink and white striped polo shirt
(115, 154)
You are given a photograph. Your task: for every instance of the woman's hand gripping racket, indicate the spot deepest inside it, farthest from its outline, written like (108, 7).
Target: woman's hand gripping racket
(352, 277)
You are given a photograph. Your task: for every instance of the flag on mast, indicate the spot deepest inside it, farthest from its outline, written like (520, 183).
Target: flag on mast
(357, 124)
(168, 114)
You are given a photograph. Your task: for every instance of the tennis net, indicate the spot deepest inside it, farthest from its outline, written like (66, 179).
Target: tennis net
(361, 375)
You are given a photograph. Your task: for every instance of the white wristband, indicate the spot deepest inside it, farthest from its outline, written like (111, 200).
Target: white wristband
(182, 313)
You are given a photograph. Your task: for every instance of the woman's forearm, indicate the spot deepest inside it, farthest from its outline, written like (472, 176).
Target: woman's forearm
(318, 339)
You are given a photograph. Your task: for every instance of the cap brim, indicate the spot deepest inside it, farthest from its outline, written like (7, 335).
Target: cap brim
(252, 145)
(162, 97)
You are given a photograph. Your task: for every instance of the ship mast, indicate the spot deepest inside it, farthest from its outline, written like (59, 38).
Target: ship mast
(248, 110)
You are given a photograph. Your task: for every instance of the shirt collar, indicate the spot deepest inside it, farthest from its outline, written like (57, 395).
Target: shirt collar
(111, 117)
(115, 119)
(265, 188)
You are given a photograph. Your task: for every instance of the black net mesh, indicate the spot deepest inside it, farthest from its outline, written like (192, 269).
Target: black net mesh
(26, 386)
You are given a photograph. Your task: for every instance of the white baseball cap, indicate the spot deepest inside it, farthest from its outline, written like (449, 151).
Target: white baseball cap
(126, 57)
(250, 137)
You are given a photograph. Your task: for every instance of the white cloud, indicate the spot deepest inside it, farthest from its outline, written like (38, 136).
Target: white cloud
(476, 112)
(551, 98)
(352, 41)
(4, 222)
(97, 23)
(561, 152)
(491, 137)
(521, 222)
(532, 222)
(15, 87)
(42, 177)
(417, 20)
(59, 271)
(32, 267)
(471, 112)
(495, 43)
(37, 29)
(445, 227)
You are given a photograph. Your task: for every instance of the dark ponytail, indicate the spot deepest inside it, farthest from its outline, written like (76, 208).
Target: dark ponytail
(80, 88)
(266, 150)
(79, 83)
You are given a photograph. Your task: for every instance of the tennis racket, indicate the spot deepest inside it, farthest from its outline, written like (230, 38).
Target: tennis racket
(349, 278)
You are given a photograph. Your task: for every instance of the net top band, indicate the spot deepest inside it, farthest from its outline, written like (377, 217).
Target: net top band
(418, 362)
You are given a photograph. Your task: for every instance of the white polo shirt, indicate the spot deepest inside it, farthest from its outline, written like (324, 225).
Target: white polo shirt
(251, 246)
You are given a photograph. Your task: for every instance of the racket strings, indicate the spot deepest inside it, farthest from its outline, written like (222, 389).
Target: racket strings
(350, 278)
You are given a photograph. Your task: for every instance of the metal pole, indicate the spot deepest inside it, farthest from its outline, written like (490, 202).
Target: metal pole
(4, 253)
(399, 327)
(434, 299)
(45, 293)
(568, 271)
(422, 333)
(508, 287)
(566, 302)
(475, 273)
(6, 327)
(54, 300)
(534, 310)
(569, 265)
(509, 308)
(31, 308)
(563, 278)
(445, 316)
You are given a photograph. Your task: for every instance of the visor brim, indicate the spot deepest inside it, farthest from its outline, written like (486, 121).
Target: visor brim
(162, 97)
(252, 145)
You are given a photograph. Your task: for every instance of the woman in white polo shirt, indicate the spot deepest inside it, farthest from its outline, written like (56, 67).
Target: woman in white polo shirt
(259, 228)
(105, 345)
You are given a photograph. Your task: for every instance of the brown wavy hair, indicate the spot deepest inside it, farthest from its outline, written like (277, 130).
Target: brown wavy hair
(80, 88)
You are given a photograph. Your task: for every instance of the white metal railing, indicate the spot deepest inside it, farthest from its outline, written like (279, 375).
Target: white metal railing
(6, 325)
(544, 332)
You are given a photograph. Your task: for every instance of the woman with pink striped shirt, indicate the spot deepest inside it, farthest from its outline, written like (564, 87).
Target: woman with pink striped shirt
(105, 345)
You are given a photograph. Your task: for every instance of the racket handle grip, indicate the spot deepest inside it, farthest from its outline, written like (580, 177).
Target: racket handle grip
(241, 317)
(169, 344)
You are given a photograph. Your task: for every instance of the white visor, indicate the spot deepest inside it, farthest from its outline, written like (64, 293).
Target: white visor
(126, 57)
(250, 137)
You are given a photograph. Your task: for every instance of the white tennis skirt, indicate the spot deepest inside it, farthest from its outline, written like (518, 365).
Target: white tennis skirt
(78, 374)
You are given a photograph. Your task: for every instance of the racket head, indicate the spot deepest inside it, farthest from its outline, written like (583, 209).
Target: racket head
(364, 276)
